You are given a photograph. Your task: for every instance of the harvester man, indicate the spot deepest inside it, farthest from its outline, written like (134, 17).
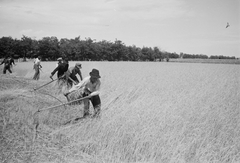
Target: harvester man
(72, 72)
(89, 86)
(61, 70)
(6, 63)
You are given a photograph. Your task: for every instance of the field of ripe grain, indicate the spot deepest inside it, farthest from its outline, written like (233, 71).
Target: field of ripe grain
(152, 112)
(212, 61)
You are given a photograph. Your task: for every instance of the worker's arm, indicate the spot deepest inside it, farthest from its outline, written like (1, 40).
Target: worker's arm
(80, 74)
(97, 90)
(54, 71)
(2, 62)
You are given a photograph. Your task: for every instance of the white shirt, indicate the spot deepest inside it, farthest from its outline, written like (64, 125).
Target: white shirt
(36, 61)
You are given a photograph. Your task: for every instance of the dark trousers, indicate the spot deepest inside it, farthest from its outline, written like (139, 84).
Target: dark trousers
(96, 102)
(6, 68)
(37, 74)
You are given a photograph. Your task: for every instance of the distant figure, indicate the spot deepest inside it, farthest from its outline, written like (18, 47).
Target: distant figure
(72, 72)
(7, 64)
(37, 66)
(60, 69)
(12, 62)
(61, 74)
(227, 25)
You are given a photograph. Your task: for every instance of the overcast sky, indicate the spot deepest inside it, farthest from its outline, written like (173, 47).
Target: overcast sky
(188, 26)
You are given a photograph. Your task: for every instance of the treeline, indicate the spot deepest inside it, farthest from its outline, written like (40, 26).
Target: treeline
(202, 56)
(50, 48)
(199, 56)
(221, 57)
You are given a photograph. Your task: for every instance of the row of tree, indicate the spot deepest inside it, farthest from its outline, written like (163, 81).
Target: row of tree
(50, 48)
(201, 56)
(221, 57)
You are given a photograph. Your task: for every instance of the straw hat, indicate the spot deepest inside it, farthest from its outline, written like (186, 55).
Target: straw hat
(95, 73)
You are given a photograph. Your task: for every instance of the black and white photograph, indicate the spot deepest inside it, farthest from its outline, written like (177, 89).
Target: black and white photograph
(120, 81)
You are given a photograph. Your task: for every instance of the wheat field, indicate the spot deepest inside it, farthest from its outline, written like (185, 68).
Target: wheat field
(152, 112)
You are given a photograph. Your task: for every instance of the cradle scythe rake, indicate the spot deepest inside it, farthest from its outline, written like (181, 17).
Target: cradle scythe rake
(64, 103)
(48, 82)
(37, 112)
(44, 85)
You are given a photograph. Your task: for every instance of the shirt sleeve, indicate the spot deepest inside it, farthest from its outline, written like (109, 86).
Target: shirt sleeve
(80, 74)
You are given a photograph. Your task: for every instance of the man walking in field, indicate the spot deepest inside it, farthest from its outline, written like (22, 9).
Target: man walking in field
(7, 64)
(37, 66)
(89, 86)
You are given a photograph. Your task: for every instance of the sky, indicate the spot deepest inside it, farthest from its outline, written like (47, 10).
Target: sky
(187, 26)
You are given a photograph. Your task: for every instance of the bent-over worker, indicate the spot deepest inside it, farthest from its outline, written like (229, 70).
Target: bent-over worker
(90, 86)
(72, 72)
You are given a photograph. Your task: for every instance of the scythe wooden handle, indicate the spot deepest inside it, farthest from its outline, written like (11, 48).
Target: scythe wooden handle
(44, 85)
(65, 103)
(72, 80)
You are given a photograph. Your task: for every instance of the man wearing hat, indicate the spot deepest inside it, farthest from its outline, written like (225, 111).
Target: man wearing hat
(61, 74)
(60, 69)
(72, 72)
(90, 87)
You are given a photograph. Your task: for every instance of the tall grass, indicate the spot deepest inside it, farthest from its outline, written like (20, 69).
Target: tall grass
(151, 112)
